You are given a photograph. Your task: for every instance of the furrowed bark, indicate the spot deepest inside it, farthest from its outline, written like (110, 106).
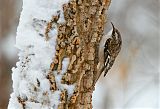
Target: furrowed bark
(77, 39)
(80, 35)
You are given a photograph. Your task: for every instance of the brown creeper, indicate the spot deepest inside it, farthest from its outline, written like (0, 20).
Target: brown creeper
(111, 49)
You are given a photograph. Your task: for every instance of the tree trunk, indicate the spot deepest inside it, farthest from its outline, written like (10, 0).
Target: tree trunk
(71, 52)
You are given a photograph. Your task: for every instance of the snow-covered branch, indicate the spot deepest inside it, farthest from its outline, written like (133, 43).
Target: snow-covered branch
(58, 54)
(31, 84)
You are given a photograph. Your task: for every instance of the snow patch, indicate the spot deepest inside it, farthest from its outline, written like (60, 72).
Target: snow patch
(36, 55)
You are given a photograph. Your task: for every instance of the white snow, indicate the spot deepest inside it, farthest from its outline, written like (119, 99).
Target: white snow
(36, 55)
(14, 104)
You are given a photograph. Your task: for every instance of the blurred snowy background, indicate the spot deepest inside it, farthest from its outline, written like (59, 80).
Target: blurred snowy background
(132, 83)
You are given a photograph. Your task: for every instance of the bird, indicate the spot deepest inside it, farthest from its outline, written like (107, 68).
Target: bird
(108, 50)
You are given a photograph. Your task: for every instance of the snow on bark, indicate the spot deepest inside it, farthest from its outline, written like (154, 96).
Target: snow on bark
(31, 86)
